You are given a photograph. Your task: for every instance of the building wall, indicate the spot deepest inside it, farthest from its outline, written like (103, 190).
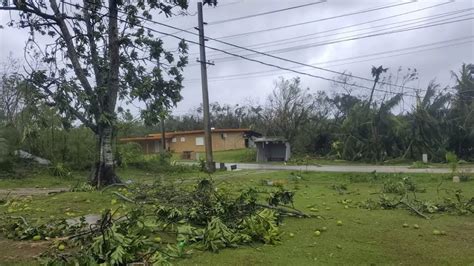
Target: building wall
(187, 143)
(269, 151)
(220, 142)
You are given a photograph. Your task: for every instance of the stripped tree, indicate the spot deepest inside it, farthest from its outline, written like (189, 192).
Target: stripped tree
(95, 53)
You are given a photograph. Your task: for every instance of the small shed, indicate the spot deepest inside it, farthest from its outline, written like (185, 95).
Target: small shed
(272, 149)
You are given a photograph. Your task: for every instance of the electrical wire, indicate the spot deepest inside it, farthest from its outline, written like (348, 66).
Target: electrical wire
(266, 54)
(264, 13)
(317, 20)
(301, 38)
(303, 23)
(256, 53)
(272, 72)
(262, 62)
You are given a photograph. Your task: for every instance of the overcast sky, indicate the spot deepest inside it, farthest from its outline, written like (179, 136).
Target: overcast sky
(433, 51)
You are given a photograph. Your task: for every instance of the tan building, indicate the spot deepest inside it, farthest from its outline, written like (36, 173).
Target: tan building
(188, 143)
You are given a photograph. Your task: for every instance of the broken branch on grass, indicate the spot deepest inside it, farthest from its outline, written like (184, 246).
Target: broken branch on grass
(123, 197)
(21, 218)
(285, 210)
(113, 185)
(415, 210)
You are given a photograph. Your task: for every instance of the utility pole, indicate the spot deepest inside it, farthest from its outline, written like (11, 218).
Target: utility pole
(163, 135)
(211, 167)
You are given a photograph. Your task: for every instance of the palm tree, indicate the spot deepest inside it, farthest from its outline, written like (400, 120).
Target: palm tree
(427, 132)
(461, 139)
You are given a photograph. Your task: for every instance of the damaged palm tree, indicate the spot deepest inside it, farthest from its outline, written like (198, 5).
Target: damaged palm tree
(99, 52)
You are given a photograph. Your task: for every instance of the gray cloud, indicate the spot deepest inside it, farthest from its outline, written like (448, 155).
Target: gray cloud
(436, 63)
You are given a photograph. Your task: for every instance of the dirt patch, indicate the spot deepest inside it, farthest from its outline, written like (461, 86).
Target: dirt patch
(21, 251)
(18, 192)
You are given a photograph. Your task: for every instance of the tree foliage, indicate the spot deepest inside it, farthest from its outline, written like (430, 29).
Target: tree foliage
(100, 52)
(344, 125)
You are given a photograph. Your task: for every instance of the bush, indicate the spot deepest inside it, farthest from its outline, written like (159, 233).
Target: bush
(60, 170)
(401, 187)
(129, 153)
(74, 147)
(6, 153)
(159, 163)
(250, 155)
(452, 160)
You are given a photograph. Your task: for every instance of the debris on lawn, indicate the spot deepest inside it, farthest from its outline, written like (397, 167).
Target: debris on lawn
(181, 218)
(454, 203)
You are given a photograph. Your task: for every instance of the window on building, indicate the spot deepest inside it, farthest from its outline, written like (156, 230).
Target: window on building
(223, 135)
(183, 139)
(173, 140)
(199, 141)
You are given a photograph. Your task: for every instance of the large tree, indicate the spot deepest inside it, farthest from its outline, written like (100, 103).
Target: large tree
(98, 52)
(11, 97)
(288, 108)
(427, 125)
(461, 116)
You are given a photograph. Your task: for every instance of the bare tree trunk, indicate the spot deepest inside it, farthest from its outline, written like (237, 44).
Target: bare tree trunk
(104, 171)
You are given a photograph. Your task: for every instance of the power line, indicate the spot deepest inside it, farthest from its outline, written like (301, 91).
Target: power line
(293, 61)
(317, 20)
(255, 52)
(264, 13)
(392, 51)
(358, 24)
(266, 54)
(258, 61)
(344, 39)
(303, 23)
(413, 52)
(272, 72)
(304, 37)
(187, 14)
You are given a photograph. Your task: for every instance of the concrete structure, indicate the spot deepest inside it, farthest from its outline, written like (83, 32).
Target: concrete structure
(191, 143)
(272, 149)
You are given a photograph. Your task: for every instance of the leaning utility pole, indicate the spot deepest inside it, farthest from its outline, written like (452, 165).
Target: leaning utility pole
(205, 95)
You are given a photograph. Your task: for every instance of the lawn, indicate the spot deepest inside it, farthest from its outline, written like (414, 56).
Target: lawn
(364, 237)
(230, 156)
(298, 159)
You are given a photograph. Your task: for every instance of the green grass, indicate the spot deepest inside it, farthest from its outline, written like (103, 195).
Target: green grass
(309, 160)
(41, 180)
(366, 236)
(230, 156)
(236, 156)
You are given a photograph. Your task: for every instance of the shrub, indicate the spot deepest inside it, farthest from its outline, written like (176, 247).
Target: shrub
(160, 164)
(6, 150)
(250, 155)
(60, 170)
(129, 153)
(452, 160)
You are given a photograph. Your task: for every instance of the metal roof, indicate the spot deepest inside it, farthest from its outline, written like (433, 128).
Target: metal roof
(270, 139)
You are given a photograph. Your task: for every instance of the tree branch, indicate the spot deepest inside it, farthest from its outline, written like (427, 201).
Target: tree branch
(71, 51)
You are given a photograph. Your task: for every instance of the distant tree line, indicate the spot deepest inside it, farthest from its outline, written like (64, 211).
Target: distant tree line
(390, 122)
(342, 123)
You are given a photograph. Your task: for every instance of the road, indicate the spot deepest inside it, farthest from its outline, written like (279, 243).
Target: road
(343, 168)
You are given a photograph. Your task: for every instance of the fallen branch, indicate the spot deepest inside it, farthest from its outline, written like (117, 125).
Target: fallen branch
(415, 210)
(21, 218)
(285, 210)
(57, 192)
(6, 198)
(123, 197)
(114, 185)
